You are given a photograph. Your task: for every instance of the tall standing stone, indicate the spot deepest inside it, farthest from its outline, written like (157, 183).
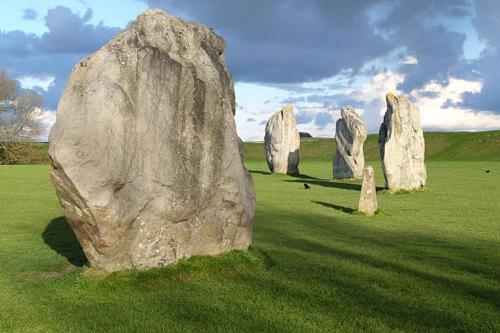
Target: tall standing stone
(350, 136)
(146, 160)
(282, 142)
(368, 198)
(402, 146)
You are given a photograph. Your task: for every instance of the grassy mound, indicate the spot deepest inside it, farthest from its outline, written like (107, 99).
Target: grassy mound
(440, 146)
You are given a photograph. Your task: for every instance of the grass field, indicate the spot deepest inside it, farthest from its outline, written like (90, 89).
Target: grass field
(428, 262)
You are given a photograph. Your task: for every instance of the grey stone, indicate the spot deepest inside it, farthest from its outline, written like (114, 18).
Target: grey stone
(402, 146)
(368, 198)
(282, 142)
(350, 136)
(146, 161)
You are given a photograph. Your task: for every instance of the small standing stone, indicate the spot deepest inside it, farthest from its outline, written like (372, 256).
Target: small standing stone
(368, 199)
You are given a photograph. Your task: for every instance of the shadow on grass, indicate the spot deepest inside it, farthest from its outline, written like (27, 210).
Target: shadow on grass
(259, 172)
(295, 175)
(343, 209)
(332, 184)
(302, 176)
(60, 237)
(355, 260)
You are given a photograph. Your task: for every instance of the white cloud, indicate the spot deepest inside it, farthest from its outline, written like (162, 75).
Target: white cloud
(31, 82)
(47, 118)
(439, 111)
(410, 60)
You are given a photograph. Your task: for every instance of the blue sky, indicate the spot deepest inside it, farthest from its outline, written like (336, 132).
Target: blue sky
(318, 55)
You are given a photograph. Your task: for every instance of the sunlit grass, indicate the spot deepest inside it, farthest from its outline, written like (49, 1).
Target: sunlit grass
(429, 261)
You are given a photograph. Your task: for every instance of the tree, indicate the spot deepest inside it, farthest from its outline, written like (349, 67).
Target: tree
(19, 124)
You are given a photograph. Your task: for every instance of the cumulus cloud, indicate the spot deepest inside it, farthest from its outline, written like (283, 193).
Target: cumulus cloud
(70, 33)
(441, 110)
(36, 82)
(32, 59)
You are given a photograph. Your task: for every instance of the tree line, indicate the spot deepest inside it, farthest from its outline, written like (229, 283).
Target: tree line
(20, 126)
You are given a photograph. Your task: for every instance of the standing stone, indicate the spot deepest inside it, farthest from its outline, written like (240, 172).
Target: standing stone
(350, 136)
(282, 142)
(402, 146)
(146, 161)
(368, 198)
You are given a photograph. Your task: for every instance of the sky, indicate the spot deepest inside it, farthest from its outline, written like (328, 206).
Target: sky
(318, 55)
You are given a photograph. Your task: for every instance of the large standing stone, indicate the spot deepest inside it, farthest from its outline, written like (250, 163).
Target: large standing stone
(282, 142)
(350, 136)
(146, 160)
(368, 198)
(402, 146)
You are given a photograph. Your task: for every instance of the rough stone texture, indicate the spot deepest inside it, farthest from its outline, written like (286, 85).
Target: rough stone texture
(368, 198)
(402, 146)
(146, 160)
(350, 136)
(282, 142)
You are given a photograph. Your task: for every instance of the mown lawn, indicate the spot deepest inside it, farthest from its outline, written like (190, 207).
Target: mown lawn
(429, 261)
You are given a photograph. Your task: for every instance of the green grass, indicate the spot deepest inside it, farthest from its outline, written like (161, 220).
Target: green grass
(429, 261)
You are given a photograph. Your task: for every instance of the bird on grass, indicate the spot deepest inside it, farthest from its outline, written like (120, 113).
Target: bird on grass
(487, 171)
(306, 186)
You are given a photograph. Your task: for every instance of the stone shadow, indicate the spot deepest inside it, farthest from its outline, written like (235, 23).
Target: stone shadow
(343, 209)
(332, 184)
(259, 172)
(60, 237)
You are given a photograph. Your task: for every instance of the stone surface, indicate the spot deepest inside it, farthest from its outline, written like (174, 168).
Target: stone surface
(282, 142)
(368, 198)
(350, 136)
(146, 160)
(402, 146)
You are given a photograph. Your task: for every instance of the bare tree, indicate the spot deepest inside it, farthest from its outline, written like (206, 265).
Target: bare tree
(19, 124)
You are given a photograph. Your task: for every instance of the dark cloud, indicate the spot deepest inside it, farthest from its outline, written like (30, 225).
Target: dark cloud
(487, 67)
(29, 14)
(250, 119)
(69, 38)
(419, 27)
(70, 33)
(287, 40)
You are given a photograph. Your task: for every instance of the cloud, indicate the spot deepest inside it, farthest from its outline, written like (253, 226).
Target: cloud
(410, 60)
(322, 119)
(70, 33)
(47, 118)
(304, 117)
(442, 111)
(36, 82)
(487, 67)
(284, 41)
(29, 14)
(69, 38)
